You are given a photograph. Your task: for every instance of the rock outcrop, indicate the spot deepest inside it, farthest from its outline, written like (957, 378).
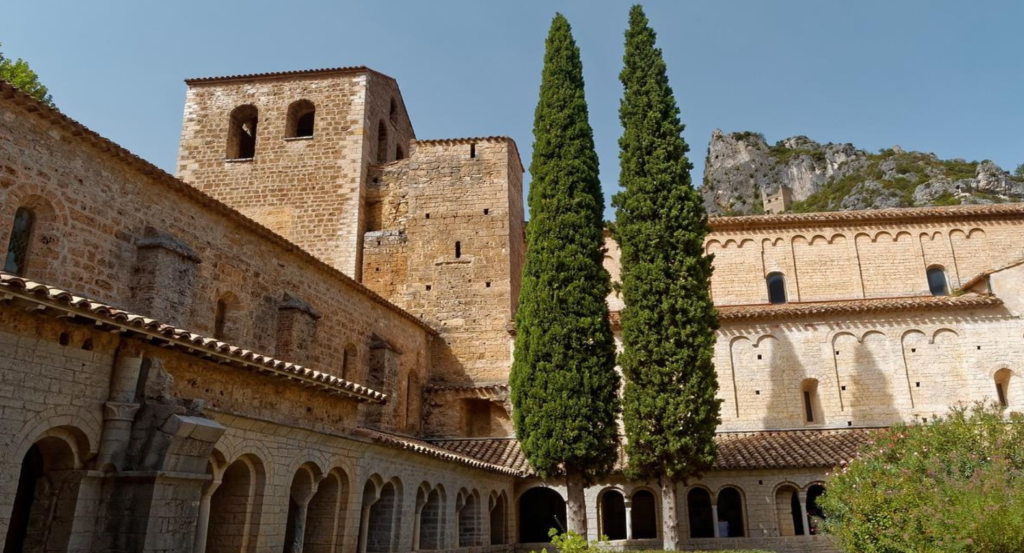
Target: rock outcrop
(742, 171)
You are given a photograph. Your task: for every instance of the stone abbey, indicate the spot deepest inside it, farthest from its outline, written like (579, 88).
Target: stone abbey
(301, 342)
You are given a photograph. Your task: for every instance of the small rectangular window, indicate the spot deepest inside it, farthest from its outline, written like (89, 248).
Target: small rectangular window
(808, 408)
(472, 150)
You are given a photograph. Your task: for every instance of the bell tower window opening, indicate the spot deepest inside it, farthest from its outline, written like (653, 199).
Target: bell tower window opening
(242, 127)
(301, 119)
(21, 238)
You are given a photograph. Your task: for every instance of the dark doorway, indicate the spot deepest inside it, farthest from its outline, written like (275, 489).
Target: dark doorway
(540, 510)
(613, 515)
(698, 506)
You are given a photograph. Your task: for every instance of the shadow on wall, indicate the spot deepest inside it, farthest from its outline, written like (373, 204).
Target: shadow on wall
(785, 373)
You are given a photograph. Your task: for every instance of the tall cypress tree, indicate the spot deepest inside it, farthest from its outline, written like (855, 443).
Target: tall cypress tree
(670, 409)
(564, 384)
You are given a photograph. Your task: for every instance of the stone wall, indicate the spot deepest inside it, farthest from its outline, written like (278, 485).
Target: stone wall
(97, 211)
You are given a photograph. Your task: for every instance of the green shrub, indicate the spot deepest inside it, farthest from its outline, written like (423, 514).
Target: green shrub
(946, 198)
(571, 542)
(954, 485)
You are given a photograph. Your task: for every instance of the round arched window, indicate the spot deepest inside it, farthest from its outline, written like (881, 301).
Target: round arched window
(776, 288)
(938, 284)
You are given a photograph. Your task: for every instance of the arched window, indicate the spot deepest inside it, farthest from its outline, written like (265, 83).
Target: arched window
(1003, 386)
(644, 516)
(44, 505)
(698, 507)
(301, 119)
(382, 142)
(467, 515)
(811, 402)
(325, 516)
(938, 285)
(776, 288)
(730, 514)
(393, 111)
(235, 507)
(220, 319)
(814, 512)
(540, 509)
(379, 516)
(242, 132)
(21, 238)
(613, 515)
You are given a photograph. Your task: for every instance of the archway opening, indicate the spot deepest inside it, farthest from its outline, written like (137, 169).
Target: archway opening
(644, 515)
(431, 527)
(787, 510)
(613, 515)
(231, 510)
(468, 517)
(814, 513)
(45, 500)
(381, 520)
(497, 521)
(242, 132)
(325, 516)
(540, 510)
(730, 514)
(698, 506)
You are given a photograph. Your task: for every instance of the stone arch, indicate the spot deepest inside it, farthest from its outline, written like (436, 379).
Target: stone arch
(498, 508)
(326, 514)
(301, 119)
(731, 512)
(34, 236)
(540, 509)
(644, 514)
(380, 516)
(467, 516)
(236, 507)
(242, 127)
(43, 509)
(304, 485)
(787, 510)
(427, 528)
(699, 512)
(611, 521)
(80, 427)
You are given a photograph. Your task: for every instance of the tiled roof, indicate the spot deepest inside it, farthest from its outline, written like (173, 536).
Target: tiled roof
(493, 464)
(10, 93)
(789, 448)
(497, 451)
(189, 342)
(736, 451)
(293, 73)
(978, 278)
(866, 216)
(485, 388)
(852, 307)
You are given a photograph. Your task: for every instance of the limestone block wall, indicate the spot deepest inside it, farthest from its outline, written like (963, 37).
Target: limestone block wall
(838, 260)
(99, 206)
(864, 370)
(452, 214)
(307, 189)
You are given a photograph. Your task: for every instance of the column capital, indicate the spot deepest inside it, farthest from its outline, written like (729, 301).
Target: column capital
(116, 411)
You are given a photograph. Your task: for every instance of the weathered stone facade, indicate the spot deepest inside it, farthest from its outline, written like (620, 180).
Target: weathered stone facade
(302, 343)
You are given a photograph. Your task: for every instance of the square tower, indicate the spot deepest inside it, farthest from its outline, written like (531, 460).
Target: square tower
(291, 151)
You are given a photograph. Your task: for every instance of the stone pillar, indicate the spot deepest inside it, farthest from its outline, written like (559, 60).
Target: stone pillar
(119, 411)
(364, 529)
(629, 517)
(803, 513)
(417, 524)
(714, 519)
(203, 523)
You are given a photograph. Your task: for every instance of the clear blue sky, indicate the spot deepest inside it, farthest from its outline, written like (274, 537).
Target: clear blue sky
(938, 76)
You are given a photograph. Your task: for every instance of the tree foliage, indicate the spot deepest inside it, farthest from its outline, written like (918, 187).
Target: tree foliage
(954, 485)
(670, 411)
(563, 377)
(18, 73)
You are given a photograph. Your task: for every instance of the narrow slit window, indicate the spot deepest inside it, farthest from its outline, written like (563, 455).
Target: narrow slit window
(1001, 392)
(1003, 387)
(776, 288)
(472, 151)
(21, 237)
(382, 142)
(393, 111)
(938, 284)
(458, 250)
(808, 407)
(220, 319)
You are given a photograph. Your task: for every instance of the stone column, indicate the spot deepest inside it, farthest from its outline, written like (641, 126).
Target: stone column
(203, 523)
(714, 519)
(364, 529)
(629, 517)
(119, 411)
(803, 513)
(417, 524)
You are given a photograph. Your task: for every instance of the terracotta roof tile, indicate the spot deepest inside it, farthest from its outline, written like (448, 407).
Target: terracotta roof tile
(493, 463)
(192, 343)
(851, 307)
(867, 216)
(736, 451)
(291, 73)
(10, 93)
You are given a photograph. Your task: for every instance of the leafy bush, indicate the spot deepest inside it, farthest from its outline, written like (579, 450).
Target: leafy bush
(571, 542)
(954, 485)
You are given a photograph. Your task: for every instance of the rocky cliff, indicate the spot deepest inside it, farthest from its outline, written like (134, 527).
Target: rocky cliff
(741, 170)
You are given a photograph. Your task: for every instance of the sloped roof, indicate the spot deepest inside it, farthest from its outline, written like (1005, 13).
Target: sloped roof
(856, 306)
(867, 216)
(781, 449)
(484, 462)
(194, 344)
(291, 73)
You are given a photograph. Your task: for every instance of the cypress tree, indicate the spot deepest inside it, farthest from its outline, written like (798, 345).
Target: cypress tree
(670, 409)
(563, 381)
